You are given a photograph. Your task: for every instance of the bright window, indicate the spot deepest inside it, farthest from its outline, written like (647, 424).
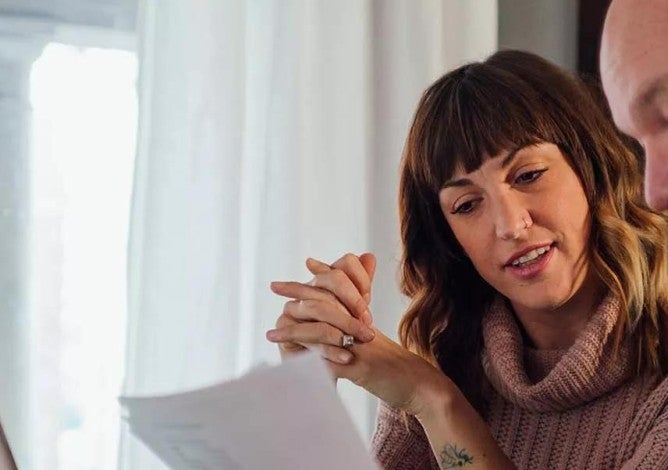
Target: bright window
(83, 142)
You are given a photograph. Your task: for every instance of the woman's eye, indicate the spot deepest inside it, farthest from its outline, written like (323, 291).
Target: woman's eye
(465, 207)
(529, 176)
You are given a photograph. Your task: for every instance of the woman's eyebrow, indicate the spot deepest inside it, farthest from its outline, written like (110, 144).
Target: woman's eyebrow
(457, 183)
(509, 158)
(467, 182)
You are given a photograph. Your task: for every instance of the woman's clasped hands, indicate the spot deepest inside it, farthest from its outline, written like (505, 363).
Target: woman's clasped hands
(336, 303)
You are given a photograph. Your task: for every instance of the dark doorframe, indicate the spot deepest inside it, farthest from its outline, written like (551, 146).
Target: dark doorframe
(590, 26)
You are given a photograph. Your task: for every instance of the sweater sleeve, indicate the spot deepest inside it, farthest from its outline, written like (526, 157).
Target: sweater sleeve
(652, 453)
(399, 445)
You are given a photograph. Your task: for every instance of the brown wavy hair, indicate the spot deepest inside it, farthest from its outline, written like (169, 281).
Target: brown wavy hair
(511, 99)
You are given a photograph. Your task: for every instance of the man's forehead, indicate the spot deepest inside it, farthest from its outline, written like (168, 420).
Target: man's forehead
(619, 99)
(633, 84)
(634, 53)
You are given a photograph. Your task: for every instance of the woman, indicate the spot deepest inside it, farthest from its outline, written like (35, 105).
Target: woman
(537, 333)
(6, 457)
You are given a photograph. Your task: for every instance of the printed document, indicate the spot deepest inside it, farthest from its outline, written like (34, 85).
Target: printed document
(281, 417)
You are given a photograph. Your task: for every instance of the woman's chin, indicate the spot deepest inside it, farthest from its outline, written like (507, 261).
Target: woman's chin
(539, 303)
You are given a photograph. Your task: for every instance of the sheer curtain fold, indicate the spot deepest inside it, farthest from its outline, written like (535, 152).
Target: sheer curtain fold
(269, 132)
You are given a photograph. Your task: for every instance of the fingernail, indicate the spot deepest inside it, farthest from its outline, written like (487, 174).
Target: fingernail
(272, 335)
(367, 334)
(366, 317)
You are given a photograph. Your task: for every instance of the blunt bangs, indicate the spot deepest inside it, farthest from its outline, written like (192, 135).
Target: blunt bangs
(480, 110)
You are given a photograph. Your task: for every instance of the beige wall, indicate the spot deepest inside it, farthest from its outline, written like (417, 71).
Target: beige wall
(546, 27)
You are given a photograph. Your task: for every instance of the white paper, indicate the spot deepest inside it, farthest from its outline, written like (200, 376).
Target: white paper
(283, 417)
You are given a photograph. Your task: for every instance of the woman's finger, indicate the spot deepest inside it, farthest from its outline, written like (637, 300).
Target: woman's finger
(353, 266)
(287, 349)
(332, 353)
(360, 269)
(368, 261)
(336, 354)
(339, 283)
(317, 266)
(327, 312)
(291, 348)
(285, 320)
(307, 333)
(299, 290)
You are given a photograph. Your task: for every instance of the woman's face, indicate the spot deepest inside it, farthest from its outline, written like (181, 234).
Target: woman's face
(523, 220)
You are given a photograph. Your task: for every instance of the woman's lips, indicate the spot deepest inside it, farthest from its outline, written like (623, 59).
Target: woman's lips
(532, 269)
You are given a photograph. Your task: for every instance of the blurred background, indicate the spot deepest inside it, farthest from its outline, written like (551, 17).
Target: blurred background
(162, 161)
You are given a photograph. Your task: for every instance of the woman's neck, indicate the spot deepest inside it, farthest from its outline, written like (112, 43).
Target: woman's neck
(558, 328)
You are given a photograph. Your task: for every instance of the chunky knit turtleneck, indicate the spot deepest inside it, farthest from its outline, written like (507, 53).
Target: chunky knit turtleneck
(578, 408)
(567, 378)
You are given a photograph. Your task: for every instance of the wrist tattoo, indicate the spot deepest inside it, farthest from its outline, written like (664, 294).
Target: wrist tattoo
(452, 457)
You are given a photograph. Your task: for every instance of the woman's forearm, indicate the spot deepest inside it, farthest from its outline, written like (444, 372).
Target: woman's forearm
(458, 435)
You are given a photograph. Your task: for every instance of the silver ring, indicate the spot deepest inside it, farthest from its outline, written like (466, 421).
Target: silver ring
(347, 341)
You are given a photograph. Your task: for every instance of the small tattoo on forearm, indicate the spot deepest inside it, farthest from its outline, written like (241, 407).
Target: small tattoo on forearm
(452, 457)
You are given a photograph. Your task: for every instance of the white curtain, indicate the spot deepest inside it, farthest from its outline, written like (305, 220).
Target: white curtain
(270, 131)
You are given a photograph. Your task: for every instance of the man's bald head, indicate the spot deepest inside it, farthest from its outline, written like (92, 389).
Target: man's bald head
(634, 72)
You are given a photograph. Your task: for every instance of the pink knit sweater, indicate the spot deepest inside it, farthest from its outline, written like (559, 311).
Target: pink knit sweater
(576, 409)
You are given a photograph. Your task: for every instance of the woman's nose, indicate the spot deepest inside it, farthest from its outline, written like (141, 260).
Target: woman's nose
(511, 218)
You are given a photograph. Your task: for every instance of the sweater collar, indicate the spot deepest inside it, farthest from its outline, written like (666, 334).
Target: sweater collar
(545, 381)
